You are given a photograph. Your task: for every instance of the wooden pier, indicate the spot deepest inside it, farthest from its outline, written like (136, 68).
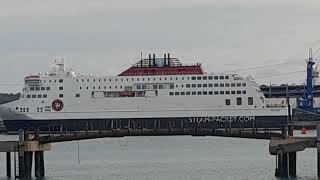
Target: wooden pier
(31, 146)
(286, 147)
(23, 151)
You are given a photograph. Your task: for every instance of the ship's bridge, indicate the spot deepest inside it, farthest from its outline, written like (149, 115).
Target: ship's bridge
(57, 71)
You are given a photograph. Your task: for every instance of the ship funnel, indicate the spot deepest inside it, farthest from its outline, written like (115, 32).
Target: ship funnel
(165, 59)
(154, 60)
(149, 60)
(169, 59)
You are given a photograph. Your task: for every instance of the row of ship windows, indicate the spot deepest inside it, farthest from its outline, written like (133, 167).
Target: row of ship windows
(37, 88)
(43, 96)
(239, 101)
(165, 78)
(188, 93)
(50, 81)
(27, 109)
(177, 86)
(216, 85)
(35, 96)
(154, 86)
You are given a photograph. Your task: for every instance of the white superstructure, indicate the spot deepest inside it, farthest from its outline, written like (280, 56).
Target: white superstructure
(61, 96)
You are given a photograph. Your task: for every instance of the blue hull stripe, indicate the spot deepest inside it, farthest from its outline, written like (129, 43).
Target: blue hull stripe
(104, 124)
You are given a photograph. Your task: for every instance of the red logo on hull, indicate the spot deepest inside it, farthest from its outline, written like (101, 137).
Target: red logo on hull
(57, 105)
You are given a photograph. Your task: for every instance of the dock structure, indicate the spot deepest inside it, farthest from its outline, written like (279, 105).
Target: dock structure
(30, 148)
(23, 151)
(285, 149)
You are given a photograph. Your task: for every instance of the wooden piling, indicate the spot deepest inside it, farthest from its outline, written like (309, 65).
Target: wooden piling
(37, 164)
(21, 155)
(318, 149)
(42, 171)
(28, 164)
(293, 164)
(8, 164)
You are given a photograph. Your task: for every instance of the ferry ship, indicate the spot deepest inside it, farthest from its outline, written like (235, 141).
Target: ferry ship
(153, 93)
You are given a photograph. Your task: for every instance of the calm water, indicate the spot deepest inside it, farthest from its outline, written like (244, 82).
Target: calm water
(166, 158)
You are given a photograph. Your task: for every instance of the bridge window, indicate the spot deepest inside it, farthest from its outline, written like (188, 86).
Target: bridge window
(250, 100)
(188, 93)
(226, 77)
(37, 88)
(205, 85)
(194, 93)
(244, 92)
(216, 77)
(199, 78)
(205, 93)
(239, 101)
(210, 85)
(216, 85)
(199, 93)
(227, 85)
(171, 86)
(233, 84)
(77, 95)
(238, 84)
(182, 93)
(60, 80)
(233, 92)
(205, 77)
(238, 92)
(210, 92)
(44, 96)
(228, 102)
(194, 85)
(244, 84)
(39, 96)
(60, 95)
(193, 78)
(176, 93)
(60, 88)
(32, 89)
(171, 93)
(43, 88)
(199, 85)
(222, 92)
(187, 85)
(34, 96)
(221, 85)
(227, 92)
(216, 92)
(28, 96)
(221, 77)
(210, 77)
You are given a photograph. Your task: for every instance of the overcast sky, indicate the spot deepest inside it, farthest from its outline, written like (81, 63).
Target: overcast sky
(106, 36)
